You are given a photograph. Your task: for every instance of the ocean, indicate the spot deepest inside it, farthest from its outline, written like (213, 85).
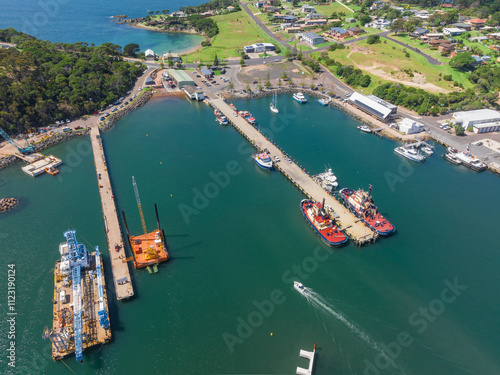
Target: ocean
(423, 301)
(90, 21)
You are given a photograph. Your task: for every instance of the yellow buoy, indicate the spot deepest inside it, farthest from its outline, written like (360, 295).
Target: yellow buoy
(161, 162)
(271, 333)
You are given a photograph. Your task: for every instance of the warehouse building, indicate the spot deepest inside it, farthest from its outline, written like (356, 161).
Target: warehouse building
(180, 78)
(373, 105)
(480, 120)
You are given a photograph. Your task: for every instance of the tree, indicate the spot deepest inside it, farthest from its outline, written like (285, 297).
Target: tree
(372, 39)
(216, 60)
(364, 19)
(459, 130)
(179, 64)
(365, 80)
(247, 88)
(268, 81)
(397, 25)
(287, 53)
(131, 49)
(279, 82)
(462, 61)
(242, 62)
(231, 85)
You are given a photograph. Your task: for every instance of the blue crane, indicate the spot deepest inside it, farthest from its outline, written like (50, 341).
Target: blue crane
(27, 149)
(103, 315)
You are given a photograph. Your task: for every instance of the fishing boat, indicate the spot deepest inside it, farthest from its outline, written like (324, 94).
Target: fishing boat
(364, 128)
(263, 160)
(466, 158)
(299, 287)
(428, 150)
(452, 158)
(324, 101)
(321, 222)
(274, 105)
(222, 120)
(361, 204)
(250, 119)
(327, 180)
(410, 153)
(298, 96)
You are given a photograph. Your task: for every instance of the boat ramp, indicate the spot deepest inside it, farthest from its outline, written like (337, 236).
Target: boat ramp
(121, 273)
(353, 227)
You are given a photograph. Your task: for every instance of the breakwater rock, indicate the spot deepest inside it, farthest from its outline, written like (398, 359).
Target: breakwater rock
(7, 204)
(139, 102)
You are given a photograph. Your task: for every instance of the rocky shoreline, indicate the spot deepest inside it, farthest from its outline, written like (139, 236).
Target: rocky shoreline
(7, 204)
(64, 136)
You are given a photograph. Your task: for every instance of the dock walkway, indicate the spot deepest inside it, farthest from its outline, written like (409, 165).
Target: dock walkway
(121, 273)
(353, 227)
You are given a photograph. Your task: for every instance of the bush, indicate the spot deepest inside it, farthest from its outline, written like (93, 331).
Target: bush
(459, 130)
(206, 43)
(372, 39)
(447, 77)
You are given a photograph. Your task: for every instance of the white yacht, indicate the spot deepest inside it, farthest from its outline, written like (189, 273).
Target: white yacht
(327, 180)
(364, 128)
(324, 101)
(273, 106)
(469, 160)
(298, 96)
(410, 153)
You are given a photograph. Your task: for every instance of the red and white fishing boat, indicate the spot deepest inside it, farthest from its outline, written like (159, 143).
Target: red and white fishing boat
(321, 222)
(361, 204)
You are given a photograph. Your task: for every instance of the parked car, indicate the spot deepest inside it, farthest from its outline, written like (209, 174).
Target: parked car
(479, 143)
(78, 127)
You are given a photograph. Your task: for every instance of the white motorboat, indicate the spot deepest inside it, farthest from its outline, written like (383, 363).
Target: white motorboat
(327, 180)
(299, 287)
(365, 129)
(263, 160)
(410, 153)
(273, 106)
(324, 101)
(298, 96)
(277, 159)
(469, 160)
(428, 150)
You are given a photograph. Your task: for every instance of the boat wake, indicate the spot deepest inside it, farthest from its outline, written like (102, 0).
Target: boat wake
(319, 303)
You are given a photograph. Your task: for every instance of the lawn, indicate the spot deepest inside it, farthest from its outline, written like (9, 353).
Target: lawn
(327, 10)
(389, 60)
(235, 31)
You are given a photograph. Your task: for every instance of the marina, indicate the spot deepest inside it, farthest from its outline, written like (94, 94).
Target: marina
(121, 273)
(346, 221)
(80, 303)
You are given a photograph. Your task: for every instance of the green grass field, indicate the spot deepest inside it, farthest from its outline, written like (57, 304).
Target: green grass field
(391, 60)
(327, 10)
(235, 31)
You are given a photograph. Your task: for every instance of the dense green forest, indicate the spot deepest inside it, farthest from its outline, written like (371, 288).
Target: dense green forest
(41, 82)
(211, 5)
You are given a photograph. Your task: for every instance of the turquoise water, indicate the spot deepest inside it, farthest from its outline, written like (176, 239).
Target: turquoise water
(89, 21)
(244, 243)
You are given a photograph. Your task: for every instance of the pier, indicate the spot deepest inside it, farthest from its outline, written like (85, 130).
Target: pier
(310, 356)
(121, 273)
(353, 227)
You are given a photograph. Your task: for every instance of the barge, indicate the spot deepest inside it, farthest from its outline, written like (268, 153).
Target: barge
(80, 304)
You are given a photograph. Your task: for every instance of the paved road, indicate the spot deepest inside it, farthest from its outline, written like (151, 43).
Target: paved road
(262, 26)
(430, 59)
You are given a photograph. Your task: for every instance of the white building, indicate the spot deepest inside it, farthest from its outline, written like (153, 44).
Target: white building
(409, 126)
(194, 93)
(150, 55)
(453, 31)
(380, 23)
(308, 9)
(373, 105)
(259, 47)
(312, 39)
(481, 120)
(314, 16)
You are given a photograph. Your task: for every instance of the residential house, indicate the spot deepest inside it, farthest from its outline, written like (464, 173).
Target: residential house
(478, 60)
(453, 31)
(315, 22)
(494, 36)
(446, 5)
(269, 9)
(433, 36)
(423, 14)
(149, 54)
(207, 73)
(354, 31)
(259, 4)
(230, 8)
(461, 25)
(418, 32)
(312, 39)
(478, 38)
(194, 93)
(476, 23)
(308, 9)
(380, 23)
(314, 16)
(339, 33)
(294, 30)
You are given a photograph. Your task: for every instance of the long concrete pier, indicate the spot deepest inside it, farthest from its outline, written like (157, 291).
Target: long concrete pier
(353, 227)
(121, 273)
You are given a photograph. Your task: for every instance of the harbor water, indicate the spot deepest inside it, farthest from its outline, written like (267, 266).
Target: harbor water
(423, 301)
(90, 21)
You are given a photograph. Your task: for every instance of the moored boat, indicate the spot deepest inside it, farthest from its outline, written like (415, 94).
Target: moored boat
(452, 159)
(298, 96)
(321, 222)
(361, 204)
(324, 102)
(428, 150)
(410, 153)
(470, 161)
(263, 160)
(364, 128)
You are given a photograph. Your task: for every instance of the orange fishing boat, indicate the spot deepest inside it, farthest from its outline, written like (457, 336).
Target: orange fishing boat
(52, 171)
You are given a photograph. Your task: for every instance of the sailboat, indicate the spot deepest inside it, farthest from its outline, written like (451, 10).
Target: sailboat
(273, 105)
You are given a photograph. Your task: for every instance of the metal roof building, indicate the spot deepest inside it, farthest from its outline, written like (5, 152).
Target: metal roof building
(180, 78)
(373, 105)
(481, 120)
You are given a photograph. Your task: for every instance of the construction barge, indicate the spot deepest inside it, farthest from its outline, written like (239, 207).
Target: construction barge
(80, 304)
(148, 249)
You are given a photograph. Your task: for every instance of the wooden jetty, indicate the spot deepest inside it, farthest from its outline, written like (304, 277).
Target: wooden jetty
(353, 227)
(121, 273)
